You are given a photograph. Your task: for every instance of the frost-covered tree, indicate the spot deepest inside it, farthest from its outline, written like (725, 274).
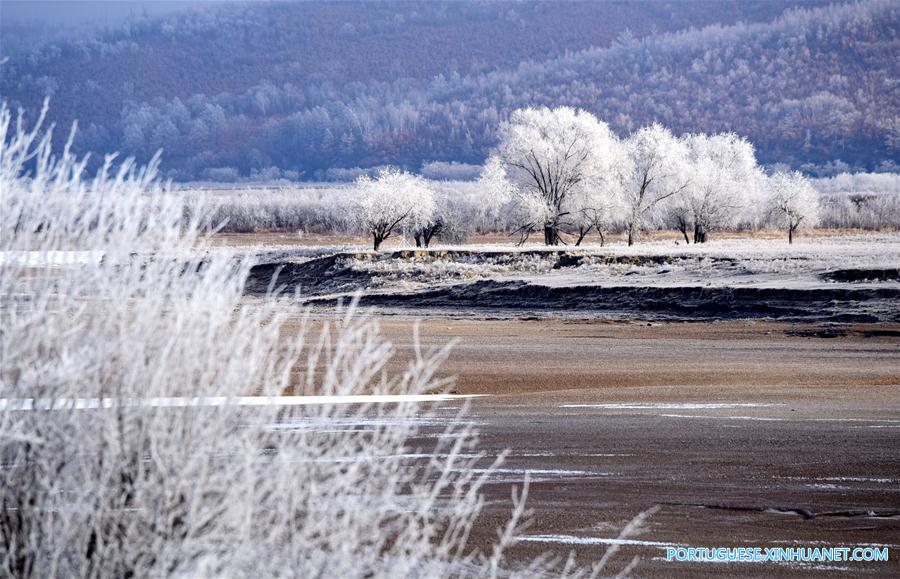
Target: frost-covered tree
(424, 234)
(792, 202)
(548, 156)
(392, 198)
(657, 169)
(599, 205)
(723, 183)
(453, 220)
(495, 193)
(593, 212)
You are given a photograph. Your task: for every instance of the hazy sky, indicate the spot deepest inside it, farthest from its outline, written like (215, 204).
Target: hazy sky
(81, 12)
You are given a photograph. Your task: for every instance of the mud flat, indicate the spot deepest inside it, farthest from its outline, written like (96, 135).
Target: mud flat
(750, 434)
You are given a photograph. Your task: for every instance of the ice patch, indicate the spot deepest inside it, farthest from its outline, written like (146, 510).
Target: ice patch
(670, 406)
(760, 418)
(410, 456)
(842, 479)
(353, 423)
(858, 479)
(574, 540)
(856, 420)
(774, 419)
(173, 402)
(824, 486)
(507, 475)
(548, 453)
(537, 471)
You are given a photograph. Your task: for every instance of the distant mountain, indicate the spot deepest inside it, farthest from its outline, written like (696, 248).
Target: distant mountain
(294, 89)
(25, 25)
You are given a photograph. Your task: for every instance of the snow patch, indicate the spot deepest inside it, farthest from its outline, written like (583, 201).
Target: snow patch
(49, 258)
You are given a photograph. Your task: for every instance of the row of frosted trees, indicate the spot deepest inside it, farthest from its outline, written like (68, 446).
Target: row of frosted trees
(563, 173)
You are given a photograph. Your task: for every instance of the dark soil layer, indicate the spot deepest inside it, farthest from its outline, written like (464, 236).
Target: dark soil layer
(320, 278)
(834, 305)
(322, 275)
(858, 275)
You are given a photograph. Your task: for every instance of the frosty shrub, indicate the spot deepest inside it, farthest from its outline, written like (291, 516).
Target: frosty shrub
(322, 210)
(125, 446)
(863, 200)
(870, 211)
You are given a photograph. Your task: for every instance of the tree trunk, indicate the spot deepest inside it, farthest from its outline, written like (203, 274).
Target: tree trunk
(790, 235)
(551, 235)
(602, 239)
(418, 237)
(699, 234)
(377, 239)
(630, 235)
(582, 233)
(683, 227)
(429, 233)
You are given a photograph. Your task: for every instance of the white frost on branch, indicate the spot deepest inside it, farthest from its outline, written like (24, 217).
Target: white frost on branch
(722, 188)
(792, 202)
(657, 170)
(391, 200)
(552, 159)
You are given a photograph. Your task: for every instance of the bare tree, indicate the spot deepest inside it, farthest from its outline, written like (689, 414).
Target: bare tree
(495, 194)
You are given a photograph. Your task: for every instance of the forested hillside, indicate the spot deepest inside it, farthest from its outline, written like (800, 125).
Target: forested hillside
(294, 89)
